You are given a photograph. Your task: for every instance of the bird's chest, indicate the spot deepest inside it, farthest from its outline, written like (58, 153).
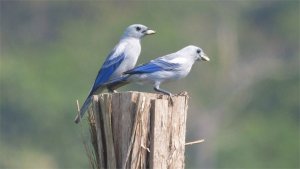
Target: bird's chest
(182, 71)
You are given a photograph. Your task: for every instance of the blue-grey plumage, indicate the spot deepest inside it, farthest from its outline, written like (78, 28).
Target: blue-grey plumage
(163, 69)
(123, 57)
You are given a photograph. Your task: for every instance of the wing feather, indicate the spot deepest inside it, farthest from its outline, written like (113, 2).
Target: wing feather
(153, 66)
(112, 62)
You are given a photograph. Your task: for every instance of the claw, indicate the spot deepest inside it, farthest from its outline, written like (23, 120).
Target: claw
(183, 93)
(170, 98)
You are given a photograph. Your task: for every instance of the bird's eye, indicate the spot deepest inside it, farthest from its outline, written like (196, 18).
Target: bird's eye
(138, 28)
(198, 51)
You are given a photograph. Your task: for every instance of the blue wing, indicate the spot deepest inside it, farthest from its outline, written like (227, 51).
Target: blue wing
(153, 66)
(107, 69)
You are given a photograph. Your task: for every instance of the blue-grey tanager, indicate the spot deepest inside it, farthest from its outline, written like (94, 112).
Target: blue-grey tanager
(163, 69)
(122, 58)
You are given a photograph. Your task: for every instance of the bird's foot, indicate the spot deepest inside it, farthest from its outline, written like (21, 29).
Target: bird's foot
(170, 98)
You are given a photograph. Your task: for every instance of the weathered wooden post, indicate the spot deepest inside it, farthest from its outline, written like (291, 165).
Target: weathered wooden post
(139, 130)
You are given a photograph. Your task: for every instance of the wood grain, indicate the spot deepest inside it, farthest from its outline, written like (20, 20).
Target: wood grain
(140, 130)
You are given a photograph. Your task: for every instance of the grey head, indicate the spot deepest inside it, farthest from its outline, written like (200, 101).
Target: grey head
(137, 31)
(195, 52)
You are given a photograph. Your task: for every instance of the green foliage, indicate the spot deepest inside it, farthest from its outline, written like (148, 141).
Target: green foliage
(246, 100)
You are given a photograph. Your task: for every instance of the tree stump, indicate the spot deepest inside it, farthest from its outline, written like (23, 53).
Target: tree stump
(139, 130)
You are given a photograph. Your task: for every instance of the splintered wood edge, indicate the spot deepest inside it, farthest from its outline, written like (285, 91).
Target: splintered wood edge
(111, 163)
(96, 109)
(195, 142)
(151, 95)
(140, 99)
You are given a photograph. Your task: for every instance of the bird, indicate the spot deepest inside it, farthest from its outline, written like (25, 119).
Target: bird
(122, 57)
(163, 69)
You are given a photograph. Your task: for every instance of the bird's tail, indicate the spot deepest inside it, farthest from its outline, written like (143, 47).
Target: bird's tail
(86, 103)
(83, 109)
(112, 85)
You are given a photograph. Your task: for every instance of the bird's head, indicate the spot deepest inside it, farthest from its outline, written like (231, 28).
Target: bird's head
(195, 52)
(138, 31)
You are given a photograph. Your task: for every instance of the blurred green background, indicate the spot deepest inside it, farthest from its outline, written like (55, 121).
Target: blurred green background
(244, 103)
